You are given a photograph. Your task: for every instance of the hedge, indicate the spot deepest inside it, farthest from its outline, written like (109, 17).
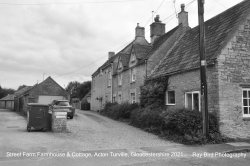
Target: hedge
(118, 111)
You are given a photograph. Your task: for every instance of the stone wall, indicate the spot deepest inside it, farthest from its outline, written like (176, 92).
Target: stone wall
(234, 70)
(59, 124)
(100, 91)
(190, 81)
(127, 86)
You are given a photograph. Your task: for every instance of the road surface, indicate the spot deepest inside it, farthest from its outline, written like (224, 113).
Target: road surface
(94, 140)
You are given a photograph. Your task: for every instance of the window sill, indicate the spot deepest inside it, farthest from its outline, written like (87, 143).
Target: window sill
(170, 104)
(246, 118)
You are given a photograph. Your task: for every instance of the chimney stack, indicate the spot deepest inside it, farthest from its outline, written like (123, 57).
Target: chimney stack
(111, 54)
(157, 29)
(139, 31)
(183, 16)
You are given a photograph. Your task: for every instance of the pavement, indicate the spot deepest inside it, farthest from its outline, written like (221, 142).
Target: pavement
(94, 140)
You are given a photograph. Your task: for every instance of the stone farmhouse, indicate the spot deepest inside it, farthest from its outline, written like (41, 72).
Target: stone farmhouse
(176, 54)
(120, 77)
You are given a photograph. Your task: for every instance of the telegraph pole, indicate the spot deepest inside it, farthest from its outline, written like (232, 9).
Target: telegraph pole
(203, 66)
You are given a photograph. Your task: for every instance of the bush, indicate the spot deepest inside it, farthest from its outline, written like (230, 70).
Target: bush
(147, 118)
(153, 92)
(118, 111)
(182, 125)
(186, 126)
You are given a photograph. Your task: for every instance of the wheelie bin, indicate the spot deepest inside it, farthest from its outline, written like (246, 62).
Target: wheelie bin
(38, 117)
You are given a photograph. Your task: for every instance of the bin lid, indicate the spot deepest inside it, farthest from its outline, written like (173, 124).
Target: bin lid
(37, 104)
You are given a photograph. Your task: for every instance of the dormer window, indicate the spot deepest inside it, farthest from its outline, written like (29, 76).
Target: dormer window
(132, 75)
(133, 58)
(119, 66)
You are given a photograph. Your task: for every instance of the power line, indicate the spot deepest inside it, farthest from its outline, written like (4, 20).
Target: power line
(175, 8)
(174, 13)
(94, 62)
(77, 70)
(101, 58)
(67, 3)
(155, 11)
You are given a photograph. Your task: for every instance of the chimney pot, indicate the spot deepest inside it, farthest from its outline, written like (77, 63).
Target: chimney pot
(139, 31)
(183, 16)
(157, 29)
(182, 7)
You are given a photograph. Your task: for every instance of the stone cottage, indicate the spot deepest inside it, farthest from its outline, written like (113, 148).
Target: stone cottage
(119, 79)
(227, 39)
(111, 82)
(44, 93)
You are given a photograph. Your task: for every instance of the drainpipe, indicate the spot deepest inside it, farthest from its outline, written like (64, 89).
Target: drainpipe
(146, 65)
(112, 65)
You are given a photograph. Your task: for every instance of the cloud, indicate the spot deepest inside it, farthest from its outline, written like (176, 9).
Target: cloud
(69, 42)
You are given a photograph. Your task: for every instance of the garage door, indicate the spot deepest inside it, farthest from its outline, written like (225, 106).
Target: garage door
(49, 99)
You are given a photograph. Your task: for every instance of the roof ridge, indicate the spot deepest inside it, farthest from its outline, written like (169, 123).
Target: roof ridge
(219, 14)
(219, 31)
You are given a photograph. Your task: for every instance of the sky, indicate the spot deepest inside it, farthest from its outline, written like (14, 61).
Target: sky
(69, 39)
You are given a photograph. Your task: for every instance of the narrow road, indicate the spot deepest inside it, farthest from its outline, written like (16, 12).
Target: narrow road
(87, 132)
(94, 140)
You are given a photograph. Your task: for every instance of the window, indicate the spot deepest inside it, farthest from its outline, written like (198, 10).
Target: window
(120, 79)
(62, 103)
(109, 78)
(114, 99)
(133, 58)
(120, 97)
(246, 102)
(133, 75)
(119, 66)
(192, 100)
(132, 96)
(170, 97)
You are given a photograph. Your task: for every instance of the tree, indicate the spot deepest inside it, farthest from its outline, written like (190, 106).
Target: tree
(72, 88)
(83, 89)
(77, 89)
(4, 92)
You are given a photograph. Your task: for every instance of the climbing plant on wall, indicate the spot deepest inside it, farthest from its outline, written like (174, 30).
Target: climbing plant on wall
(153, 92)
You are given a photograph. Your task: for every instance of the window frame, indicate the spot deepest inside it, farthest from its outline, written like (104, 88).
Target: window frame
(109, 79)
(167, 97)
(192, 93)
(132, 75)
(119, 100)
(120, 65)
(120, 79)
(248, 102)
(131, 98)
(133, 58)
